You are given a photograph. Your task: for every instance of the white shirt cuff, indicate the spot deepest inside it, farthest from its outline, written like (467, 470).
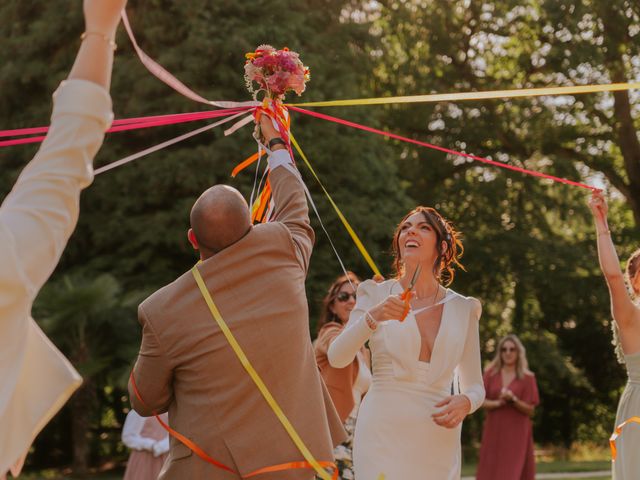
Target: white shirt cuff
(83, 98)
(279, 158)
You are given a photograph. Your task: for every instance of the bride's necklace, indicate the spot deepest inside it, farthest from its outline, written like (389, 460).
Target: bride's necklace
(433, 300)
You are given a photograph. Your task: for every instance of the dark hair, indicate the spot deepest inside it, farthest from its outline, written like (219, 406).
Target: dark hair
(326, 315)
(443, 267)
(633, 265)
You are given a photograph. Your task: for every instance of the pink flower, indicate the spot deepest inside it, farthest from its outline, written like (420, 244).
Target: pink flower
(297, 83)
(276, 71)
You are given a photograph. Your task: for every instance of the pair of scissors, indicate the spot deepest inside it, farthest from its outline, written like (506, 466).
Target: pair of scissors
(406, 295)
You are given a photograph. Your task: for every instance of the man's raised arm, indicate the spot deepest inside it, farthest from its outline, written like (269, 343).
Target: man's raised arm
(288, 195)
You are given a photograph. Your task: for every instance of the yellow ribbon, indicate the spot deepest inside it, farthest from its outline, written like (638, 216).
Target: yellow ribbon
(256, 378)
(354, 235)
(616, 434)
(453, 97)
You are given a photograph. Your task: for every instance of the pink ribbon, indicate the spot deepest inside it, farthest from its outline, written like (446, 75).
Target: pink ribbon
(442, 149)
(164, 144)
(161, 73)
(125, 124)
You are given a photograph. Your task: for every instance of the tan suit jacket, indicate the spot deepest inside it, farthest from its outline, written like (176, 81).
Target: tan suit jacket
(187, 367)
(339, 381)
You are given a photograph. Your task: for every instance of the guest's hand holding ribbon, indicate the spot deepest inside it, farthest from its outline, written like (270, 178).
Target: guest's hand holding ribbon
(598, 206)
(456, 408)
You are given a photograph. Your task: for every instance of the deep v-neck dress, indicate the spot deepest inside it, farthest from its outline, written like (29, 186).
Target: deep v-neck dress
(395, 434)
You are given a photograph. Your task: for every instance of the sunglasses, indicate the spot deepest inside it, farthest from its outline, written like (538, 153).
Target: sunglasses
(344, 296)
(508, 349)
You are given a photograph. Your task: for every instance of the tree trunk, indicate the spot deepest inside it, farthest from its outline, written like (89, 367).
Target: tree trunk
(625, 131)
(82, 405)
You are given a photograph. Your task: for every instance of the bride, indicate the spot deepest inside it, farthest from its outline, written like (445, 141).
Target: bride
(409, 423)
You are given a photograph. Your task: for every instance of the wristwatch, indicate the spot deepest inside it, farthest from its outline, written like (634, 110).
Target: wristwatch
(276, 141)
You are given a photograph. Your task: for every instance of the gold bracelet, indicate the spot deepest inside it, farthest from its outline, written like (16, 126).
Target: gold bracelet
(606, 232)
(106, 38)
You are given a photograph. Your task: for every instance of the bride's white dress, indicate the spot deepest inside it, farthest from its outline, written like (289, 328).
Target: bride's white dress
(395, 435)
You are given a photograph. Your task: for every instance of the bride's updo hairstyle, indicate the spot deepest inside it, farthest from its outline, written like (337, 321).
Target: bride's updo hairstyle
(446, 262)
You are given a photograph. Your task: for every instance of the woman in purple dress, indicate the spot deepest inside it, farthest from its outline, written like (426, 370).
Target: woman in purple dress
(506, 452)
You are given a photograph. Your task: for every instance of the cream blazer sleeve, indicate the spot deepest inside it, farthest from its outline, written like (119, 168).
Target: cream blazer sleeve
(36, 220)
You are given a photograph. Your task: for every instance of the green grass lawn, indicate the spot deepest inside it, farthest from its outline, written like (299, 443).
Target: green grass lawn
(557, 467)
(594, 478)
(56, 475)
(566, 466)
(467, 470)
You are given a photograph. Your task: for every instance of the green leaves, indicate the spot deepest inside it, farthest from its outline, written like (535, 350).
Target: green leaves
(530, 246)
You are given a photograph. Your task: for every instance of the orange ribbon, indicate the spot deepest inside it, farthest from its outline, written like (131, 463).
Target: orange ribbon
(203, 455)
(260, 210)
(617, 432)
(178, 436)
(246, 162)
(276, 110)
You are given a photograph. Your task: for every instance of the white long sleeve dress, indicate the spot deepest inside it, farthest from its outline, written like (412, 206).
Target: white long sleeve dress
(395, 434)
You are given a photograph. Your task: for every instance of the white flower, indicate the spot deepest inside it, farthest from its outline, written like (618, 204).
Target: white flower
(342, 453)
(347, 474)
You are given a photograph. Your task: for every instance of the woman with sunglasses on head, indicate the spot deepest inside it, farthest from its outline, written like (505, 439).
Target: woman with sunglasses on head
(506, 451)
(346, 385)
(626, 329)
(419, 333)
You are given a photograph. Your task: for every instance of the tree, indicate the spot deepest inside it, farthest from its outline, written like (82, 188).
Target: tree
(90, 320)
(530, 249)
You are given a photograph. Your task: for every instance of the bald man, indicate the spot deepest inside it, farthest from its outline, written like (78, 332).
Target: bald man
(255, 275)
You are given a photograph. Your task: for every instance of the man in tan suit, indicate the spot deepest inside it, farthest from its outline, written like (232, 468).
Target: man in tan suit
(255, 275)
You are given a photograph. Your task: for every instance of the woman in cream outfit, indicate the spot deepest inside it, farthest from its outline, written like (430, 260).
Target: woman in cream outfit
(409, 424)
(36, 220)
(626, 328)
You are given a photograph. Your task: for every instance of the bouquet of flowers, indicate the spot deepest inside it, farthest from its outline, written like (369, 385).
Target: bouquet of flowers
(276, 72)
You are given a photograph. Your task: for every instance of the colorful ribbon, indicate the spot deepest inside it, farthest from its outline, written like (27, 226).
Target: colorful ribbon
(442, 149)
(484, 95)
(617, 432)
(124, 124)
(163, 75)
(177, 435)
(164, 144)
(343, 219)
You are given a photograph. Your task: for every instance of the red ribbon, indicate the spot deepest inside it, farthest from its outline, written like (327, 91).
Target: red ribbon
(442, 149)
(124, 124)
